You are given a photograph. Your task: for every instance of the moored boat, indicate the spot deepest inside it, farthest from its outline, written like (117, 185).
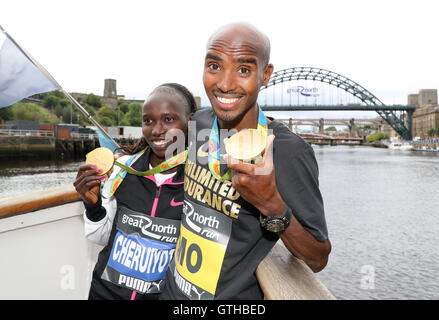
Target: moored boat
(398, 145)
(426, 149)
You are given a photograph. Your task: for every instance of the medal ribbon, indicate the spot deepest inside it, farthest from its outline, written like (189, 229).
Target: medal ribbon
(165, 165)
(215, 146)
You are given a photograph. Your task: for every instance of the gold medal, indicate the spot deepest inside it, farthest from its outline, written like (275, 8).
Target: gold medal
(246, 145)
(102, 158)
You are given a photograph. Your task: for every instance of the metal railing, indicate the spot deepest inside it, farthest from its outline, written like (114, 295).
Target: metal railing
(88, 136)
(16, 132)
(45, 133)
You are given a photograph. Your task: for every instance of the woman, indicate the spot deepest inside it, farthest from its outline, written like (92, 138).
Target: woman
(136, 217)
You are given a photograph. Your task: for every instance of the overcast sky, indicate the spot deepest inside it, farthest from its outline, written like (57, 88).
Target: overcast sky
(388, 47)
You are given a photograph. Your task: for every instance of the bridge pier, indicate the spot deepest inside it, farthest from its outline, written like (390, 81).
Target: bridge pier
(410, 123)
(321, 126)
(351, 126)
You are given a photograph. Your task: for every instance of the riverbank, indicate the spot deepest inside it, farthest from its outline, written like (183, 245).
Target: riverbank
(49, 147)
(31, 147)
(351, 144)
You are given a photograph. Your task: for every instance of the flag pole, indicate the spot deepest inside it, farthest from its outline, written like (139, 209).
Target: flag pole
(68, 95)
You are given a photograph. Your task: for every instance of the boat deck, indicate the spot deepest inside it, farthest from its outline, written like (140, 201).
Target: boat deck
(45, 254)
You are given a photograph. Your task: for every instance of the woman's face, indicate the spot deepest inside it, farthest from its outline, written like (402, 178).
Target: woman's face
(164, 122)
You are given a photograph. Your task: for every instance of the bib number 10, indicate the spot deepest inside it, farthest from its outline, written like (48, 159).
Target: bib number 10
(192, 254)
(199, 260)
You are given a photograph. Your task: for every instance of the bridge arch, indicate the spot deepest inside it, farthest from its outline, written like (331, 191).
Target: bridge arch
(326, 76)
(346, 84)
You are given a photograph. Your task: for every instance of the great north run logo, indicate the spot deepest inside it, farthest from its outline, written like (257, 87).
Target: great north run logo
(306, 92)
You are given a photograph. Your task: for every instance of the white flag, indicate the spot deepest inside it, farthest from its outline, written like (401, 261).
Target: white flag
(19, 77)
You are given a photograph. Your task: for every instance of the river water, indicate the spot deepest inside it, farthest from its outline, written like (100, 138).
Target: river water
(382, 211)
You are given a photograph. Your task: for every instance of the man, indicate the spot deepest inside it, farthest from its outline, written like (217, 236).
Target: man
(229, 226)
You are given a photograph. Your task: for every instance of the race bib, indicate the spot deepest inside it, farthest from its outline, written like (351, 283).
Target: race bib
(141, 252)
(200, 250)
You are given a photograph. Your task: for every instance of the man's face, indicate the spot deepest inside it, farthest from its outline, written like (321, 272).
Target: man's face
(234, 71)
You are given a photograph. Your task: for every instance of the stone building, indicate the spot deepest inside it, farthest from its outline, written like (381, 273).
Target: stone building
(110, 96)
(110, 93)
(426, 115)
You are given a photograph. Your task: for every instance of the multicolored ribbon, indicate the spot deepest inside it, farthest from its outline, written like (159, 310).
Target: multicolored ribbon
(215, 146)
(125, 168)
(164, 166)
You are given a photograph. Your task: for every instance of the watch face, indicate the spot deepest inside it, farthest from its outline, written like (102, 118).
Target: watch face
(275, 225)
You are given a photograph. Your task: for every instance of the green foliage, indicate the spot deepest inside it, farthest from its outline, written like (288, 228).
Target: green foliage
(109, 115)
(34, 112)
(331, 129)
(50, 101)
(60, 106)
(377, 136)
(124, 106)
(6, 113)
(64, 103)
(57, 93)
(56, 108)
(66, 115)
(59, 111)
(124, 121)
(106, 121)
(94, 101)
(134, 115)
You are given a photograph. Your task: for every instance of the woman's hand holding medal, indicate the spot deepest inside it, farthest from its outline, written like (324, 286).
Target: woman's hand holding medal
(98, 163)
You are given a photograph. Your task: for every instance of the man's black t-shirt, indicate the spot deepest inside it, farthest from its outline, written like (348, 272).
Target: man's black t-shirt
(221, 241)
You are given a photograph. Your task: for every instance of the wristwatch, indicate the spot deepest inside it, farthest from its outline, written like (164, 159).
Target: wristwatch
(276, 223)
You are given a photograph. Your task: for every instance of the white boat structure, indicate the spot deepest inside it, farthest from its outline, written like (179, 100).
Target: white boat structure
(426, 149)
(400, 145)
(46, 256)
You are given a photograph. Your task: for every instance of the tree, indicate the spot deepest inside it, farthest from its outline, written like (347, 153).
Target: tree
(59, 110)
(109, 114)
(331, 129)
(377, 136)
(64, 103)
(34, 112)
(50, 101)
(106, 121)
(134, 115)
(123, 106)
(6, 113)
(57, 93)
(94, 100)
(66, 115)
(124, 121)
